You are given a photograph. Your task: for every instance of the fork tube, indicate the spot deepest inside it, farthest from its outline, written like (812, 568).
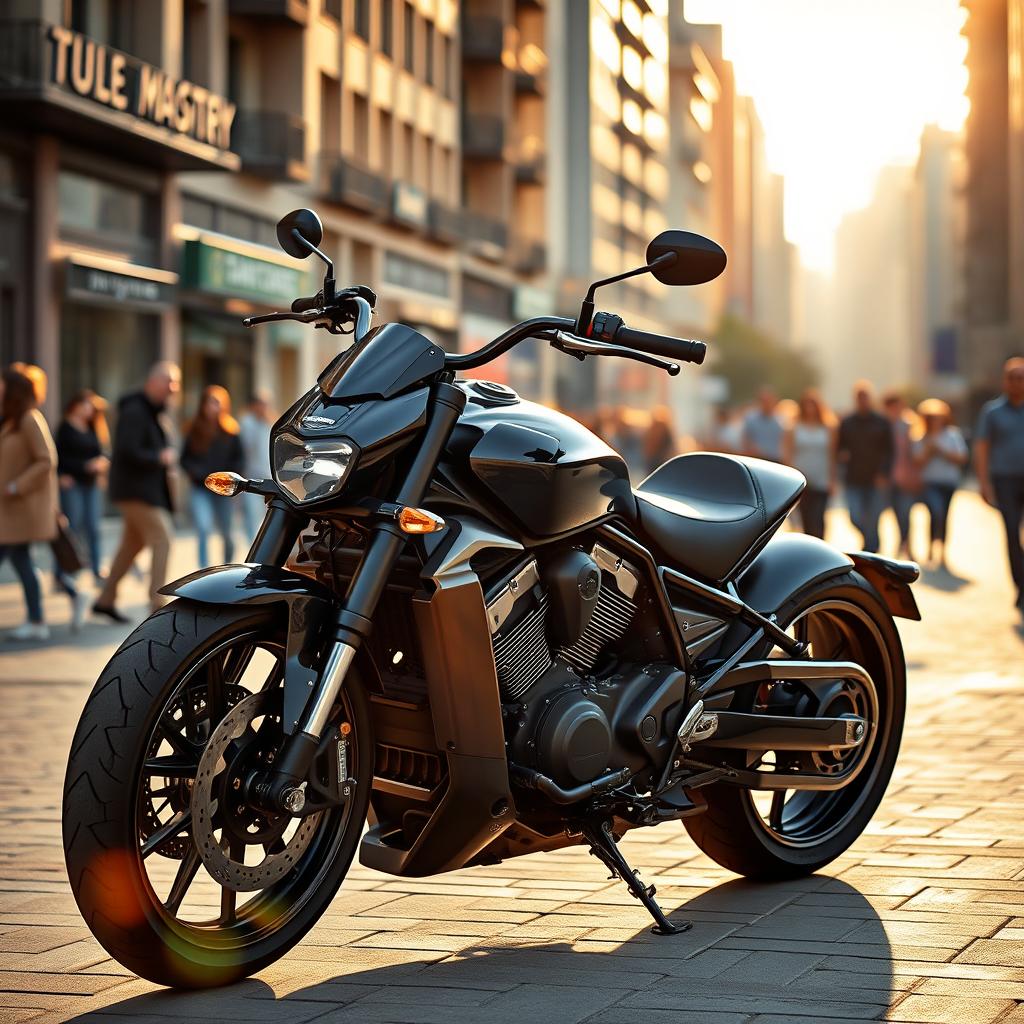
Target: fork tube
(277, 534)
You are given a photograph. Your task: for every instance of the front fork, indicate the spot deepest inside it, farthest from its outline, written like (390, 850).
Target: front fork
(280, 789)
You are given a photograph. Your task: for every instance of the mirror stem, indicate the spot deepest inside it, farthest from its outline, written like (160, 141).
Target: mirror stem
(587, 305)
(329, 276)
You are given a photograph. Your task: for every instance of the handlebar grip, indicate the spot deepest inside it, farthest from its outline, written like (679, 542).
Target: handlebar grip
(306, 302)
(679, 349)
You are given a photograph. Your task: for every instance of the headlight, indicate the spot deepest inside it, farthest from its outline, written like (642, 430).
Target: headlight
(311, 470)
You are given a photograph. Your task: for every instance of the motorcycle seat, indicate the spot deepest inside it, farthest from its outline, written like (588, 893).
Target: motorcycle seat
(708, 512)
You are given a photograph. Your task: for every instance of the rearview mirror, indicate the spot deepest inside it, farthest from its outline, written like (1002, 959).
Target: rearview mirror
(697, 259)
(307, 224)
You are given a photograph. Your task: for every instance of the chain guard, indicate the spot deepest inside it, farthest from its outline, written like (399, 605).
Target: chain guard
(208, 816)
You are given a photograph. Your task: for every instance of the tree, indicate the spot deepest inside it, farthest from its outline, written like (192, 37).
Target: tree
(749, 359)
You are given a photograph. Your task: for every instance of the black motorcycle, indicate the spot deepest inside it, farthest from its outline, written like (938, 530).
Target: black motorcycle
(460, 623)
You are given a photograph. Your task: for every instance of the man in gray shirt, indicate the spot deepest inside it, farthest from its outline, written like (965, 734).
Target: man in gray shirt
(762, 428)
(999, 460)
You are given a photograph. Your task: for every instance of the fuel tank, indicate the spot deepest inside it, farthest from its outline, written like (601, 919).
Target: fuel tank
(538, 467)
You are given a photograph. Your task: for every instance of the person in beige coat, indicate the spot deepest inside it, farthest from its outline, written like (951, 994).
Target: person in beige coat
(28, 492)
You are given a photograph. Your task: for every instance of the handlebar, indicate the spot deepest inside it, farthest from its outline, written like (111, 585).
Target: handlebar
(610, 328)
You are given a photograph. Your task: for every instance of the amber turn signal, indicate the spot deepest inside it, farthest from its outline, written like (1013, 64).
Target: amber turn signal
(418, 520)
(226, 484)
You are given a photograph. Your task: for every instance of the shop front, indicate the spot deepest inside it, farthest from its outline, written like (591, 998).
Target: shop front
(223, 281)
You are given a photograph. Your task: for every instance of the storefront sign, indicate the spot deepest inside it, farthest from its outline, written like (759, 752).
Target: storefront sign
(223, 271)
(116, 80)
(409, 205)
(98, 284)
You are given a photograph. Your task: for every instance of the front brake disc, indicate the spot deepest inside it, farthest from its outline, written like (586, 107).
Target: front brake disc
(208, 817)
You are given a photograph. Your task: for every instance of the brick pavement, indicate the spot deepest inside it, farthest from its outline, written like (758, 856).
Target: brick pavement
(922, 920)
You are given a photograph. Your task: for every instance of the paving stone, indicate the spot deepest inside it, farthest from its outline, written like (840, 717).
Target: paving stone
(922, 1009)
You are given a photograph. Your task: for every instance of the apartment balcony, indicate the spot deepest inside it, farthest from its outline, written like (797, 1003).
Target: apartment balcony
(531, 70)
(350, 184)
(443, 223)
(271, 144)
(530, 168)
(483, 38)
(528, 256)
(483, 136)
(295, 12)
(483, 235)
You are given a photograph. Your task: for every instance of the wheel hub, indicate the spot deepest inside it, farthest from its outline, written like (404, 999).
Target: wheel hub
(225, 825)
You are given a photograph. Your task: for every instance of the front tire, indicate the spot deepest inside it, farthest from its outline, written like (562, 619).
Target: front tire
(127, 802)
(739, 830)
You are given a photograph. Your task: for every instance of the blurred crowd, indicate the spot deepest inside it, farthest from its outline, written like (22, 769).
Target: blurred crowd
(882, 453)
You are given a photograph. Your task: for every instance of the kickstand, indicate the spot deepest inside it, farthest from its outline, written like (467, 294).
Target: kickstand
(604, 847)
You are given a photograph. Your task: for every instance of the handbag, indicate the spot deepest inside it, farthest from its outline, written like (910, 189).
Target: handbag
(67, 548)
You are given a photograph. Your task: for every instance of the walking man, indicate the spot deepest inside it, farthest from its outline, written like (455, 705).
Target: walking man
(762, 428)
(865, 450)
(139, 484)
(999, 461)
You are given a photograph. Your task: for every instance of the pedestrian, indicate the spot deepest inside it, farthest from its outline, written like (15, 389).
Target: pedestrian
(865, 452)
(140, 486)
(82, 440)
(905, 484)
(212, 444)
(28, 497)
(254, 433)
(941, 453)
(809, 445)
(999, 462)
(762, 428)
(660, 442)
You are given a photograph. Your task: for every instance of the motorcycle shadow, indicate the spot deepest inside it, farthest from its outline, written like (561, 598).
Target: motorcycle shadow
(812, 948)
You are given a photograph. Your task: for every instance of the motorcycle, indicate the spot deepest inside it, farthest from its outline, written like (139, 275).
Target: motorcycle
(461, 636)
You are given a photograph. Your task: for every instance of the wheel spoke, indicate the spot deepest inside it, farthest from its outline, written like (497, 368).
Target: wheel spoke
(236, 662)
(228, 897)
(775, 814)
(215, 702)
(181, 821)
(171, 766)
(182, 880)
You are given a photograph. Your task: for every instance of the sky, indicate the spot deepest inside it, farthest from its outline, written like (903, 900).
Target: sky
(842, 87)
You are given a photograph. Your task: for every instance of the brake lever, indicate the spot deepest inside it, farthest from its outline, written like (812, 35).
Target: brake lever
(581, 348)
(310, 316)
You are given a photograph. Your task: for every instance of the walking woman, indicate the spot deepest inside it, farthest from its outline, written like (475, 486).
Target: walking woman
(212, 443)
(809, 445)
(942, 454)
(82, 439)
(28, 493)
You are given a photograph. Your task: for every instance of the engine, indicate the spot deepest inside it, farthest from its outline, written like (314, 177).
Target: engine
(573, 707)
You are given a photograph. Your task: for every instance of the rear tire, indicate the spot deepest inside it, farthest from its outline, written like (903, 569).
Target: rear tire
(734, 834)
(102, 821)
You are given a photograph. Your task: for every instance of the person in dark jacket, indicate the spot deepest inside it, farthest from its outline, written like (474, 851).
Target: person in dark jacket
(865, 452)
(140, 487)
(212, 444)
(82, 440)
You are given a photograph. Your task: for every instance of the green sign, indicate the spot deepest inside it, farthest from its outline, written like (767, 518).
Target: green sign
(209, 268)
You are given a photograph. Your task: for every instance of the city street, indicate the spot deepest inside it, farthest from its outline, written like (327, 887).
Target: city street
(921, 921)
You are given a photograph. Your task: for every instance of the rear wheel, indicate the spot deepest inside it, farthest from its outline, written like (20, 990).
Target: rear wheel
(787, 833)
(177, 876)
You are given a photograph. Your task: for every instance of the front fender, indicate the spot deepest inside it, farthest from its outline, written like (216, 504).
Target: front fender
(310, 606)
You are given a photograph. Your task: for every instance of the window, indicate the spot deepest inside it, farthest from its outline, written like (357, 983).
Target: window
(361, 18)
(448, 71)
(113, 215)
(361, 126)
(409, 32)
(387, 31)
(430, 53)
(235, 50)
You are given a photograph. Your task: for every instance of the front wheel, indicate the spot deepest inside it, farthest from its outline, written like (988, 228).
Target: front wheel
(176, 875)
(772, 835)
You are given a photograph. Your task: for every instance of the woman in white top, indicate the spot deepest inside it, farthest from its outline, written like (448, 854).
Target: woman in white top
(809, 444)
(941, 454)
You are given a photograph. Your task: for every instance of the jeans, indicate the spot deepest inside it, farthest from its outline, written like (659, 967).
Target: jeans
(901, 502)
(254, 508)
(811, 510)
(82, 505)
(1010, 501)
(938, 497)
(865, 504)
(210, 510)
(21, 559)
